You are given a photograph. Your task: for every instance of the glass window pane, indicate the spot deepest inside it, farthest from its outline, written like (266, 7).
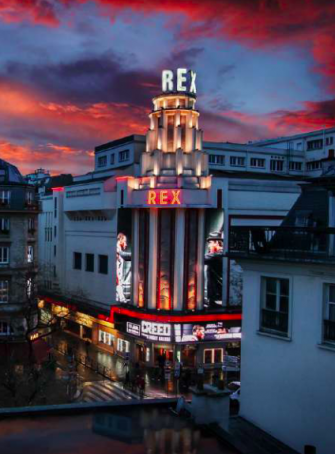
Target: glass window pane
(332, 293)
(284, 304)
(271, 285)
(270, 302)
(332, 312)
(208, 356)
(284, 287)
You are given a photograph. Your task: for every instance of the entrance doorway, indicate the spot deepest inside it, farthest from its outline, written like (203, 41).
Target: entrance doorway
(140, 353)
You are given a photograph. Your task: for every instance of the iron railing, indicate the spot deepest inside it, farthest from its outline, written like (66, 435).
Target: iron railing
(329, 330)
(298, 243)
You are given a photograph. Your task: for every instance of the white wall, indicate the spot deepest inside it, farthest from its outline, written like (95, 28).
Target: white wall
(91, 237)
(288, 385)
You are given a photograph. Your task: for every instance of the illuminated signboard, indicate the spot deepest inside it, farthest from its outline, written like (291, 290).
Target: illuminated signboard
(164, 197)
(183, 81)
(181, 332)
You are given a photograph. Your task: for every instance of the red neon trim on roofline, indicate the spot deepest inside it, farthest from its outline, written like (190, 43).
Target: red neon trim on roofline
(153, 317)
(58, 189)
(124, 178)
(173, 318)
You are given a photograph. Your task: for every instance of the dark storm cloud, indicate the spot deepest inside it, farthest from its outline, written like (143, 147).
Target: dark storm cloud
(88, 80)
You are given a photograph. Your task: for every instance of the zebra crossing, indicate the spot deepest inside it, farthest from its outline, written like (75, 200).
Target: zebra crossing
(105, 391)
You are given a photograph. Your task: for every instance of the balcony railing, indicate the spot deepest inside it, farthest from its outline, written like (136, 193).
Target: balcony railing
(274, 321)
(329, 330)
(297, 243)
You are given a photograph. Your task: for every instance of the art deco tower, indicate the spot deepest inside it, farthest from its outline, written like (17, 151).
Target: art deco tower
(169, 200)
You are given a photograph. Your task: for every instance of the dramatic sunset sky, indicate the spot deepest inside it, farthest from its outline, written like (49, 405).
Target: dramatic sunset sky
(77, 73)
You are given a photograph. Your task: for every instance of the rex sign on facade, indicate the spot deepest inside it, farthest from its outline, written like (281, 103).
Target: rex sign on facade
(164, 197)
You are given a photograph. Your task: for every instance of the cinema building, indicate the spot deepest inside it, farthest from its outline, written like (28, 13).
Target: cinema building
(135, 254)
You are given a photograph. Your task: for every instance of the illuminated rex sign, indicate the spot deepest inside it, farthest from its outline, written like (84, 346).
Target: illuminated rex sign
(164, 197)
(182, 81)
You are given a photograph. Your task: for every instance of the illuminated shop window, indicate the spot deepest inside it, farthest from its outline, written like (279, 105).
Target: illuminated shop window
(122, 346)
(213, 355)
(106, 338)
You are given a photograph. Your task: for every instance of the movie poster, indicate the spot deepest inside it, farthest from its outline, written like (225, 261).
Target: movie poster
(123, 255)
(213, 263)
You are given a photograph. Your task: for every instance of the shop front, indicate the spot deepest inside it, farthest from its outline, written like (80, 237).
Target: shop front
(191, 342)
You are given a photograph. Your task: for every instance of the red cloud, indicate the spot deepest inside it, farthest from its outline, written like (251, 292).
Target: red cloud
(36, 11)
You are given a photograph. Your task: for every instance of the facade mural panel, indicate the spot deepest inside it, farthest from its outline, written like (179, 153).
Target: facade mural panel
(124, 255)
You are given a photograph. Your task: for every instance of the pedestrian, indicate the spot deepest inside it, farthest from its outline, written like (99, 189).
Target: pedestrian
(141, 385)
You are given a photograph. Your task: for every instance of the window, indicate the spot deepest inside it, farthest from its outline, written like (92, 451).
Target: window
(90, 262)
(257, 162)
(55, 250)
(77, 260)
(170, 132)
(4, 225)
(29, 197)
(329, 314)
(276, 165)
(123, 155)
(112, 159)
(102, 161)
(4, 197)
(103, 264)
(329, 140)
(4, 255)
(29, 287)
(314, 165)
(217, 159)
(55, 206)
(314, 144)
(122, 346)
(213, 356)
(106, 338)
(296, 165)
(5, 329)
(30, 254)
(237, 161)
(55, 231)
(275, 305)
(31, 225)
(4, 292)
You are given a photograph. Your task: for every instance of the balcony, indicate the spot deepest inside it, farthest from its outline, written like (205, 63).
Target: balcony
(303, 244)
(274, 321)
(329, 331)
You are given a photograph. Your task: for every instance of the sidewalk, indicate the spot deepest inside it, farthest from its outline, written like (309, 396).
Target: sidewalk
(61, 341)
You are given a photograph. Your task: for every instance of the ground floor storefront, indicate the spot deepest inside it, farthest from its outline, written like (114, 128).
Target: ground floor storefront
(155, 341)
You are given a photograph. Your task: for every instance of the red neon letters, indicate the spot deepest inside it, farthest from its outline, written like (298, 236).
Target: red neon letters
(164, 197)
